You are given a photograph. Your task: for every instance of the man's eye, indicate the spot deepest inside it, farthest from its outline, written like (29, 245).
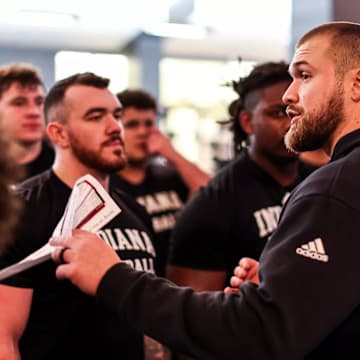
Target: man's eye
(18, 102)
(131, 125)
(304, 75)
(277, 113)
(95, 118)
(118, 116)
(39, 101)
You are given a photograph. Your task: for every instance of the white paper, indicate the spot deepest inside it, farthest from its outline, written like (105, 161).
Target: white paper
(89, 207)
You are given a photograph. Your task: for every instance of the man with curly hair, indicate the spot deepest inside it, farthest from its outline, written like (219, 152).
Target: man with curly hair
(236, 213)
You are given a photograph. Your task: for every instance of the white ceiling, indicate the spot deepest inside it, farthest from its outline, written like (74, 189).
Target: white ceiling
(252, 29)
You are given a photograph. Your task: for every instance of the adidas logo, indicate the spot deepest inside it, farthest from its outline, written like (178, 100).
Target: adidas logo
(313, 250)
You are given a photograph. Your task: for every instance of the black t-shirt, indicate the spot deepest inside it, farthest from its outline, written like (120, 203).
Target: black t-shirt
(232, 217)
(43, 162)
(64, 323)
(163, 194)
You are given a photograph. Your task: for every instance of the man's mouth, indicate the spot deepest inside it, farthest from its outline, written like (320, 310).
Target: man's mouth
(32, 125)
(292, 114)
(114, 142)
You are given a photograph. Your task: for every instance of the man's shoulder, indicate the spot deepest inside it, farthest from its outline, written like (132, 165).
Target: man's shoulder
(237, 172)
(338, 179)
(43, 188)
(124, 200)
(33, 186)
(165, 177)
(162, 171)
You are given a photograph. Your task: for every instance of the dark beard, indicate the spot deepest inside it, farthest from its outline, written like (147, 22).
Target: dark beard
(314, 130)
(92, 159)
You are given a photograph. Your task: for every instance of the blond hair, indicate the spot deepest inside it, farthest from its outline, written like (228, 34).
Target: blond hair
(344, 44)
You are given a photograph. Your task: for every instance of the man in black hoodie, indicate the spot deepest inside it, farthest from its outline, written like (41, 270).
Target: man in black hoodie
(295, 312)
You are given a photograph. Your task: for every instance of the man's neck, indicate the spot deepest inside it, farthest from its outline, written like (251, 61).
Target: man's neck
(284, 171)
(134, 174)
(29, 152)
(70, 171)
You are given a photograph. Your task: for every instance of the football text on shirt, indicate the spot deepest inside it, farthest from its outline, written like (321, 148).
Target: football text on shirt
(161, 202)
(131, 240)
(267, 219)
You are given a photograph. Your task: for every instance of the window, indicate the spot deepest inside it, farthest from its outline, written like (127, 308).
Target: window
(112, 66)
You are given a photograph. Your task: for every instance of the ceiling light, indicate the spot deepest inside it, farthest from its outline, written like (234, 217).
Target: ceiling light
(173, 30)
(45, 18)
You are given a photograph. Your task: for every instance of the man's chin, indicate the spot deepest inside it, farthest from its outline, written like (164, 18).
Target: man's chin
(137, 162)
(29, 141)
(114, 168)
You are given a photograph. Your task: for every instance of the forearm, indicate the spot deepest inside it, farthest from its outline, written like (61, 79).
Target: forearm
(187, 322)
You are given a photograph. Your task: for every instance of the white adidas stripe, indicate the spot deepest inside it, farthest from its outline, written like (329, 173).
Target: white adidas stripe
(313, 250)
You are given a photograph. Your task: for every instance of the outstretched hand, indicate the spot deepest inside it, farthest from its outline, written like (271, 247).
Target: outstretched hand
(82, 258)
(247, 270)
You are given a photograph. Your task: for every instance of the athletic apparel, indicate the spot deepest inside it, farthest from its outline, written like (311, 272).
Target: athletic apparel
(232, 217)
(163, 194)
(64, 323)
(307, 304)
(43, 162)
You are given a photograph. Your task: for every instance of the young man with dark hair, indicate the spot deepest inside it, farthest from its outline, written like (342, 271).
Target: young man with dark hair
(22, 97)
(307, 304)
(162, 188)
(41, 317)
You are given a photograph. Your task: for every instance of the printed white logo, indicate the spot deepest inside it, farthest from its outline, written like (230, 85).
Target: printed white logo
(313, 250)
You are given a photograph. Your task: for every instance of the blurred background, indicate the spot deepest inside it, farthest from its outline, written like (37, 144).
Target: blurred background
(184, 52)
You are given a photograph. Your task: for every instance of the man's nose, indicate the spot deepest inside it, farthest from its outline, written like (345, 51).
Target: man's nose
(35, 109)
(290, 96)
(114, 124)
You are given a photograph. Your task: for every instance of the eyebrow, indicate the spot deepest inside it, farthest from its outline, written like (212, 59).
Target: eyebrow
(299, 63)
(101, 110)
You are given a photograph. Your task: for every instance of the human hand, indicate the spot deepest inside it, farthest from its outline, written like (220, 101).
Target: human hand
(159, 144)
(82, 258)
(247, 270)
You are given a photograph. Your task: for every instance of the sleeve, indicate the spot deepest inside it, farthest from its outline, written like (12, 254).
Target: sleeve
(201, 232)
(269, 321)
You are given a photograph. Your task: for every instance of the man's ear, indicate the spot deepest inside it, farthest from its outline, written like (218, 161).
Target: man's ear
(245, 121)
(355, 89)
(57, 134)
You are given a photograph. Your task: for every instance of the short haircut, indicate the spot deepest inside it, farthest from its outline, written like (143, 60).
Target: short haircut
(24, 74)
(139, 99)
(344, 45)
(248, 90)
(55, 96)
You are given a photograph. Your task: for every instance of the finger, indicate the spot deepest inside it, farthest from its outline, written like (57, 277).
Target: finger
(62, 255)
(240, 272)
(230, 290)
(58, 255)
(245, 263)
(59, 241)
(236, 270)
(235, 282)
(62, 271)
